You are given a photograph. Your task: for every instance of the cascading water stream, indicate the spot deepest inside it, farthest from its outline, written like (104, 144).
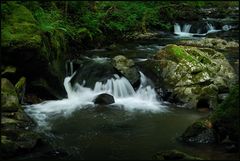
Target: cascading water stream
(78, 96)
(185, 31)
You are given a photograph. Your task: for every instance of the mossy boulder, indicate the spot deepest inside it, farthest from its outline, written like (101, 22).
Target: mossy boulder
(19, 28)
(194, 74)
(9, 97)
(174, 155)
(221, 126)
(126, 67)
(36, 53)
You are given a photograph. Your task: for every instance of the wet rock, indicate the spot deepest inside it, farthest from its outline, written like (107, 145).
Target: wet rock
(143, 36)
(16, 126)
(200, 132)
(174, 155)
(215, 43)
(9, 97)
(104, 99)
(26, 141)
(111, 47)
(8, 69)
(23, 39)
(127, 68)
(193, 74)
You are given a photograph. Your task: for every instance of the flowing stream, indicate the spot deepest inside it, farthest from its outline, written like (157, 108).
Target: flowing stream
(136, 126)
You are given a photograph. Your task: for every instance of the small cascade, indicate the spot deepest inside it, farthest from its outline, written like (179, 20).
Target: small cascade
(78, 96)
(185, 30)
(177, 28)
(69, 68)
(211, 29)
(118, 87)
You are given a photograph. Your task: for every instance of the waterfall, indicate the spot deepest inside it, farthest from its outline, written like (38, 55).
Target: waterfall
(177, 28)
(119, 87)
(211, 29)
(185, 31)
(78, 96)
(186, 28)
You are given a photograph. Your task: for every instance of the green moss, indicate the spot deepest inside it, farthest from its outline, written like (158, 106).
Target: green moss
(19, 27)
(20, 84)
(180, 53)
(228, 110)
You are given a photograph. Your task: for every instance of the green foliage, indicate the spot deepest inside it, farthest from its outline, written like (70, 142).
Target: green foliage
(228, 110)
(49, 21)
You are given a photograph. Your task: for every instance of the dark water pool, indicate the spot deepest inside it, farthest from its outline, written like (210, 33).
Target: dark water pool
(117, 134)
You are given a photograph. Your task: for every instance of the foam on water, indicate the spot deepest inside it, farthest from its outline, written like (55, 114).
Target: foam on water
(78, 96)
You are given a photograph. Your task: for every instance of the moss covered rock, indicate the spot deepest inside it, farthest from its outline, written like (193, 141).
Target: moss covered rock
(9, 97)
(194, 74)
(19, 28)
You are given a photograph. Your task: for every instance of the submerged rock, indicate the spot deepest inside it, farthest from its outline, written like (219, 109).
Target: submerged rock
(194, 75)
(200, 132)
(127, 68)
(104, 99)
(174, 155)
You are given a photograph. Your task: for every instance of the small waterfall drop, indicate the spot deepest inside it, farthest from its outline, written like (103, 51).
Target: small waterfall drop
(185, 30)
(78, 96)
(211, 29)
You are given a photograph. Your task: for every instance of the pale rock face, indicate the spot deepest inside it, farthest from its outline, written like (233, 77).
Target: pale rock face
(215, 43)
(195, 73)
(127, 68)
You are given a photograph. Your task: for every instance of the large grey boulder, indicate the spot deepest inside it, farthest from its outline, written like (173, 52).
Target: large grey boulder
(194, 75)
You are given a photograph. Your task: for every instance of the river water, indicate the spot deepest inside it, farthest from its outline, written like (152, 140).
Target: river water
(79, 130)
